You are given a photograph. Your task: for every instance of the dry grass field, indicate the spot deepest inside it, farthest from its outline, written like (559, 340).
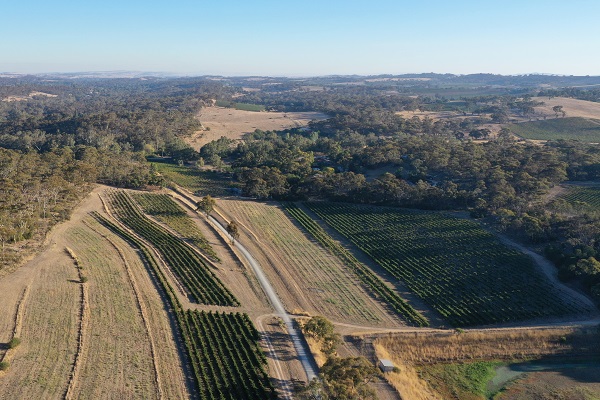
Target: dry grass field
(28, 97)
(118, 343)
(233, 123)
(573, 107)
(307, 276)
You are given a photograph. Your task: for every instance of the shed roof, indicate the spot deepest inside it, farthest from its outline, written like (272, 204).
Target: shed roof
(386, 363)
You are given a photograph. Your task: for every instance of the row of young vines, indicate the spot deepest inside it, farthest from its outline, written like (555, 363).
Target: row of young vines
(191, 271)
(222, 349)
(163, 208)
(375, 285)
(459, 269)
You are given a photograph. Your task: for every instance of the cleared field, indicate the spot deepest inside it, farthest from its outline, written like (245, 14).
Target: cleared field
(573, 107)
(41, 365)
(307, 276)
(583, 129)
(460, 270)
(233, 124)
(200, 182)
(113, 322)
(114, 348)
(164, 209)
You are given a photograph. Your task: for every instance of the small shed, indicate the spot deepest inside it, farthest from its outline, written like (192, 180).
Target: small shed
(386, 365)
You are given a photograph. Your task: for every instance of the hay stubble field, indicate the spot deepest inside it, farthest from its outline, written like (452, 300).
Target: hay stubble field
(233, 124)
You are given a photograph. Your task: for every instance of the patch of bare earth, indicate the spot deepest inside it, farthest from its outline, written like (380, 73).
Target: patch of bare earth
(28, 97)
(233, 124)
(126, 347)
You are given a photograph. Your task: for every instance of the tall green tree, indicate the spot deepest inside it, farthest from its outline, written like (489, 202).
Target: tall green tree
(206, 205)
(233, 231)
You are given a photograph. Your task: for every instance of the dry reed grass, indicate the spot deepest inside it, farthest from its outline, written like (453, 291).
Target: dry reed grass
(419, 348)
(406, 380)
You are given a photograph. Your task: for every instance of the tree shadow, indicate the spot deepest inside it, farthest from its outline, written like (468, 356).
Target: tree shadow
(281, 342)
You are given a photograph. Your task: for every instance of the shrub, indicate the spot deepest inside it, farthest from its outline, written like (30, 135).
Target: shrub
(14, 342)
(3, 366)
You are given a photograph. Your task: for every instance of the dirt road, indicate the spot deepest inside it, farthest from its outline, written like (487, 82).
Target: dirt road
(299, 344)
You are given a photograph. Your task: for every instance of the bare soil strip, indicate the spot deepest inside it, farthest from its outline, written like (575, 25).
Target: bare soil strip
(285, 390)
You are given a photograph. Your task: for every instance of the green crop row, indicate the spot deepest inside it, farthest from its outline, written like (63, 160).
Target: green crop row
(191, 271)
(459, 269)
(166, 210)
(584, 196)
(375, 285)
(222, 349)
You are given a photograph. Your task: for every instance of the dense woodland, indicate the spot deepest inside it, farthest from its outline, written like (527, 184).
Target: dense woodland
(70, 134)
(80, 131)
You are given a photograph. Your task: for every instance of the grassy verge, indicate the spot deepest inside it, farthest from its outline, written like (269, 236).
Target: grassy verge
(461, 381)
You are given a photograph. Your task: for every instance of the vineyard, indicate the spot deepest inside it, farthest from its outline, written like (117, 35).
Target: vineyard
(306, 267)
(227, 361)
(222, 349)
(583, 129)
(193, 273)
(587, 197)
(459, 269)
(375, 285)
(201, 182)
(166, 210)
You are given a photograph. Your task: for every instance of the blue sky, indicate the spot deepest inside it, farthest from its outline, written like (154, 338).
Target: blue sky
(300, 38)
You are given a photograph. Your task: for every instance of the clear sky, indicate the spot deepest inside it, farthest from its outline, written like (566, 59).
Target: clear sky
(301, 37)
